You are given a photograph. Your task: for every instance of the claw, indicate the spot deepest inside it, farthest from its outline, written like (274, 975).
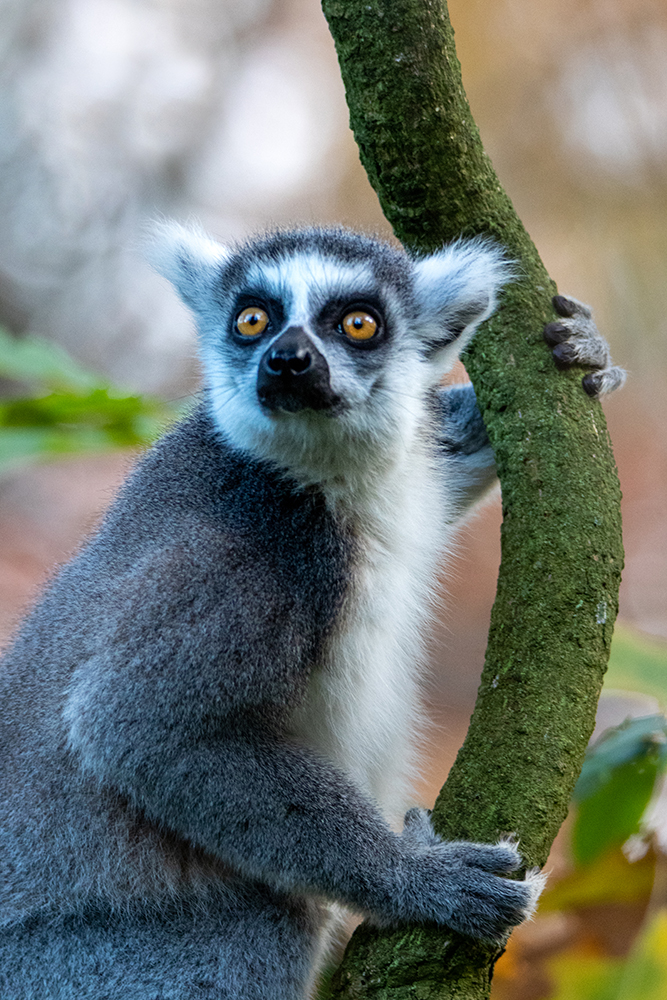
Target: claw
(555, 333)
(509, 840)
(564, 355)
(591, 383)
(565, 306)
(600, 382)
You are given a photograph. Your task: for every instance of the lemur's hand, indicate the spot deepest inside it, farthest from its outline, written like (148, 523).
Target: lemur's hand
(576, 340)
(464, 885)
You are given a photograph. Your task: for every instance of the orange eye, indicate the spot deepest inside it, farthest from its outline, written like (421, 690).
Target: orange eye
(252, 321)
(359, 325)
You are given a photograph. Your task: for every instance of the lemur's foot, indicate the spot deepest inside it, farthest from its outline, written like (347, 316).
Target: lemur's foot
(576, 340)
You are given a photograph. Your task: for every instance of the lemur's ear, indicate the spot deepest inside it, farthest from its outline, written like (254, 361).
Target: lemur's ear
(456, 289)
(186, 257)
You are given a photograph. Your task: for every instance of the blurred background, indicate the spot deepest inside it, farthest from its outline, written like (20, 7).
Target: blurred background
(113, 112)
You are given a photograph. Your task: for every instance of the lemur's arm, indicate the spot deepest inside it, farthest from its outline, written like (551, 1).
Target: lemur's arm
(463, 441)
(185, 711)
(462, 437)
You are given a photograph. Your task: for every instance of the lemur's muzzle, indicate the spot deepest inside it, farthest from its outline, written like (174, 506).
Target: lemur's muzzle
(293, 375)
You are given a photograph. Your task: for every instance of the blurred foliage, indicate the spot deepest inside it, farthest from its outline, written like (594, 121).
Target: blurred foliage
(638, 663)
(616, 785)
(622, 767)
(52, 406)
(619, 867)
(610, 879)
(641, 976)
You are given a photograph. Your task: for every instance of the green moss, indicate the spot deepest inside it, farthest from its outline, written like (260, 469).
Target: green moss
(561, 538)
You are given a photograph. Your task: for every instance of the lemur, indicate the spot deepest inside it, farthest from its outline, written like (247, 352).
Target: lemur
(207, 723)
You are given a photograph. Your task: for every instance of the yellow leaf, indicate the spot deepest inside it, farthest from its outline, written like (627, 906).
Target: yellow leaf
(582, 978)
(609, 879)
(645, 973)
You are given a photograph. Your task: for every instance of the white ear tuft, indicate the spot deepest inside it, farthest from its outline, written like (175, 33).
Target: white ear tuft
(456, 289)
(187, 257)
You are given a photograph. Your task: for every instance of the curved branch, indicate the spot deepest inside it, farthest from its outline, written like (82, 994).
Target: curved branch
(562, 554)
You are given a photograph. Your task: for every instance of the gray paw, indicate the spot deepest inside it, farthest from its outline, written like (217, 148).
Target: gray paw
(464, 885)
(490, 906)
(575, 340)
(485, 903)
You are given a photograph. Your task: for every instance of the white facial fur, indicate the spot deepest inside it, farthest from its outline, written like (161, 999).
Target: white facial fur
(312, 445)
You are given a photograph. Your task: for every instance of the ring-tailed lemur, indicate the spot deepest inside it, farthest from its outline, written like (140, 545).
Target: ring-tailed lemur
(207, 721)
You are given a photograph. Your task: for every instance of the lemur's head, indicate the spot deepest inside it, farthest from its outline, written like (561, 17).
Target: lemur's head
(319, 345)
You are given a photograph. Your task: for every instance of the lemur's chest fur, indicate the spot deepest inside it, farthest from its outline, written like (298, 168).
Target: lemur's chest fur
(362, 708)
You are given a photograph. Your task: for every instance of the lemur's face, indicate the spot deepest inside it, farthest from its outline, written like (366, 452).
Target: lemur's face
(309, 330)
(307, 343)
(322, 340)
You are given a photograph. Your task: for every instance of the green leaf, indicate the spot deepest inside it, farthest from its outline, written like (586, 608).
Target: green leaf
(616, 785)
(634, 739)
(614, 812)
(70, 410)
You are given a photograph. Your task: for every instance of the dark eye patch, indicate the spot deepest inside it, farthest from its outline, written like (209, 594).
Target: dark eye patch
(256, 298)
(329, 320)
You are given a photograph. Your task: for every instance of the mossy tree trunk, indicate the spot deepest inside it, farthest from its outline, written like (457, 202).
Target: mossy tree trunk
(562, 555)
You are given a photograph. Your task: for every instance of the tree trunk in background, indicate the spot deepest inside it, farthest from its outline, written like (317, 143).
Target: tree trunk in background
(562, 554)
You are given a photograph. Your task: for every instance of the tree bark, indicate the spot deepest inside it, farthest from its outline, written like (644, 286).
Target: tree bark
(562, 554)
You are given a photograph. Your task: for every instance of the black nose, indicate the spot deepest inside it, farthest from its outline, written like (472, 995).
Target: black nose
(294, 375)
(292, 360)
